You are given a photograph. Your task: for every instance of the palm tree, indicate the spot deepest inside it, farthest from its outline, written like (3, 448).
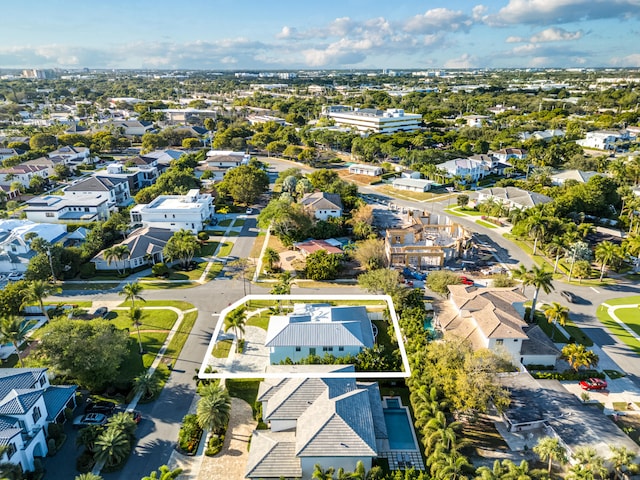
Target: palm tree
(236, 320)
(537, 226)
(14, 330)
(621, 457)
(549, 448)
(87, 436)
(321, 474)
(439, 431)
(606, 252)
(111, 447)
(147, 385)
(522, 274)
(214, 407)
(516, 472)
(37, 291)
(359, 473)
(283, 286)
(116, 253)
(88, 476)
(556, 313)
(135, 315)
(131, 292)
(11, 471)
(578, 356)
(448, 465)
(589, 463)
(164, 474)
(540, 279)
(555, 247)
(271, 257)
(486, 473)
(124, 422)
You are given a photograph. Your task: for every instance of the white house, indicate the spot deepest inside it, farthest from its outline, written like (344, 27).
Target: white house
(370, 170)
(132, 128)
(316, 329)
(136, 176)
(145, 249)
(579, 176)
(23, 174)
(512, 197)
(15, 249)
(28, 404)
(604, 139)
(116, 189)
(323, 205)
(10, 152)
(544, 135)
(72, 154)
(476, 121)
(226, 158)
(506, 154)
(412, 184)
(176, 212)
(373, 120)
(465, 168)
(332, 422)
(70, 209)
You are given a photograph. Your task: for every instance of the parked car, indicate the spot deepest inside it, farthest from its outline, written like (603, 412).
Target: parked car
(466, 281)
(101, 312)
(100, 406)
(249, 211)
(89, 419)
(593, 384)
(569, 296)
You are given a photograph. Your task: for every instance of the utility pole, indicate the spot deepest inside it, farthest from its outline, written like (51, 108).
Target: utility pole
(53, 275)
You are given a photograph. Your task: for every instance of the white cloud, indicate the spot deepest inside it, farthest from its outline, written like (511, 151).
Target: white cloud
(632, 60)
(439, 19)
(562, 11)
(555, 34)
(515, 40)
(463, 61)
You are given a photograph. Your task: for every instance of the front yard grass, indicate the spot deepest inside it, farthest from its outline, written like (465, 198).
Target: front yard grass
(180, 337)
(225, 249)
(245, 389)
(614, 302)
(419, 196)
(84, 286)
(225, 223)
(257, 245)
(179, 304)
(239, 222)
(151, 320)
(617, 330)
(208, 249)
(261, 320)
(549, 328)
(222, 348)
(486, 224)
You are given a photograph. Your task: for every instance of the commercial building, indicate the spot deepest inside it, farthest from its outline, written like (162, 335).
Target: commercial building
(372, 120)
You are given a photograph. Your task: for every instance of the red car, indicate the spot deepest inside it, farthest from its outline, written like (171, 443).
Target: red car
(593, 384)
(466, 281)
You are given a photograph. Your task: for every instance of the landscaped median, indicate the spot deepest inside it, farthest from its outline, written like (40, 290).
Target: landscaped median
(622, 317)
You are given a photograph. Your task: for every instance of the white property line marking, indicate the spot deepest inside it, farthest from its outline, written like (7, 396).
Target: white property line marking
(594, 289)
(404, 373)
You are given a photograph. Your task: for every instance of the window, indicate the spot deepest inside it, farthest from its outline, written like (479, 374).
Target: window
(49, 214)
(42, 381)
(11, 449)
(341, 349)
(36, 414)
(298, 349)
(499, 341)
(327, 349)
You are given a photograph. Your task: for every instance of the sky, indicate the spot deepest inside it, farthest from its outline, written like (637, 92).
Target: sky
(327, 34)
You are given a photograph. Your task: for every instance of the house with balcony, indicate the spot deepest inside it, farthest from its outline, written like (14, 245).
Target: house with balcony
(506, 154)
(116, 189)
(219, 162)
(176, 212)
(467, 169)
(322, 205)
(15, 246)
(28, 404)
(137, 177)
(23, 173)
(78, 208)
(316, 329)
(335, 422)
(613, 140)
(427, 241)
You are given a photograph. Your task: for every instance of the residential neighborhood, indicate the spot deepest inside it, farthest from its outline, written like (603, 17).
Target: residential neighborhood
(319, 274)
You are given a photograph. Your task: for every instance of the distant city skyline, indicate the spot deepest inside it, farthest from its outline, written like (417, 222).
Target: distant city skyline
(286, 34)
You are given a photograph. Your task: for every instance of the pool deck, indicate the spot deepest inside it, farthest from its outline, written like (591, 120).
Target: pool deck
(406, 458)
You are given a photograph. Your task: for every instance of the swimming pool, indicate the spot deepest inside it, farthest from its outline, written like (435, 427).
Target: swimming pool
(399, 428)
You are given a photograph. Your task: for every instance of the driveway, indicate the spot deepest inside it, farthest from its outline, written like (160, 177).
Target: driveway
(253, 359)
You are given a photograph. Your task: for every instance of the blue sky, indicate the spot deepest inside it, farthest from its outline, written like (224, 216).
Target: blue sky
(286, 34)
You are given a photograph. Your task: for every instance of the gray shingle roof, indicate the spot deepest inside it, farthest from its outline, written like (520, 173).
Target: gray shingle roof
(56, 398)
(18, 379)
(322, 201)
(95, 184)
(338, 427)
(272, 455)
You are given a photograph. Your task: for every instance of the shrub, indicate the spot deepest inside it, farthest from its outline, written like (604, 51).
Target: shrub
(51, 446)
(87, 270)
(203, 236)
(215, 445)
(160, 270)
(568, 375)
(85, 462)
(189, 435)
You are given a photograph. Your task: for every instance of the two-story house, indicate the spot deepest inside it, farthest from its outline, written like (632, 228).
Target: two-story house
(605, 139)
(15, 246)
(80, 208)
(176, 212)
(136, 176)
(465, 168)
(72, 155)
(28, 404)
(116, 189)
(23, 174)
(322, 205)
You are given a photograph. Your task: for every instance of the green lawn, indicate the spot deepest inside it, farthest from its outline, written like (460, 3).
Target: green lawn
(383, 337)
(630, 317)
(617, 330)
(161, 303)
(225, 249)
(151, 320)
(462, 212)
(578, 335)
(261, 320)
(97, 286)
(160, 285)
(222, 348)
(550, 329)
(194, 274)
(225, 223)
(208, 249)
(245, 389)
(180, 337)
(624, 301)
(216, 232)
(486, 224)
(239, 222)
(79, 304)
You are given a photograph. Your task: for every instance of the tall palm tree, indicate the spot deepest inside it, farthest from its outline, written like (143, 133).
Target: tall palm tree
(606, 252)
(448, 465)
(214, 407)
(236, 320)
(537, 226)
(116, 253)
(111, 447)
(37, 291)
(556, 313)
(522, 274)
(135, 315)
(549, 448)
(578, 356)
(555, 247)
(131, 292)
(14, 330)
(590, 463)
(516, 472)
(439, 431)
(540, 279)
(495, 473)
(283, 286)
(621, 457)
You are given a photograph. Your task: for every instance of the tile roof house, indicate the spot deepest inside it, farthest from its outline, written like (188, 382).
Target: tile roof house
(492, 318)
(333, 422)
(579, 176)
(322, 205)
(22, 173)
(28, 403)
(311, 246)
(15, 249)
(316, 329)
(145, 248)
(117, 189)
(512, 197)
(465, 168)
